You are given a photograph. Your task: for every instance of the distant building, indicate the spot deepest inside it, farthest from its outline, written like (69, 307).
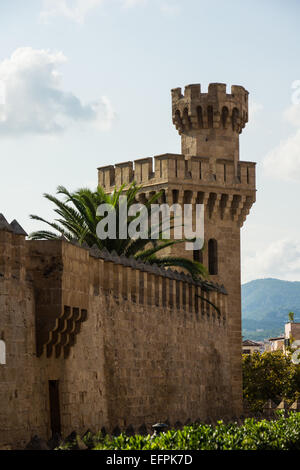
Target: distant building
(291, 333)
(249, 347)
(281, 343)
(275, 344)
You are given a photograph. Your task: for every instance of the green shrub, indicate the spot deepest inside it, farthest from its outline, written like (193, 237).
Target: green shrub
(280, 434)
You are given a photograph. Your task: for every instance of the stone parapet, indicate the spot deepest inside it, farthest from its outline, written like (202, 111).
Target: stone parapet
(174, 168)
(214, 109)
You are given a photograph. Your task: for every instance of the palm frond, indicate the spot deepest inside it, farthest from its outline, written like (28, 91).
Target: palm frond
(43, 235)
(78, 219)
(197, 270)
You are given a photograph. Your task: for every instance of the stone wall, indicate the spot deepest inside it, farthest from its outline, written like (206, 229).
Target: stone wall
(130, 344)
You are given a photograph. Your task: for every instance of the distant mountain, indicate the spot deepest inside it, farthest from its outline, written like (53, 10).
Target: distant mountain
(265, 307)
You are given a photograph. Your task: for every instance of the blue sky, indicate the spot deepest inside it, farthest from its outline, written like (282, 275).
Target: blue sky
(87, 83)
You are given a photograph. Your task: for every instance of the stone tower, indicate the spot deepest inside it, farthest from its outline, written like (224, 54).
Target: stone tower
(209, 172)
(210, 123)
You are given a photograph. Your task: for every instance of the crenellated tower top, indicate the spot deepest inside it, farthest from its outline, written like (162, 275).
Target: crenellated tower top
(210, 123)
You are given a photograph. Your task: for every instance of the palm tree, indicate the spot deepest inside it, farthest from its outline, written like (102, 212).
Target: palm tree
(291, 317)
(78, 221)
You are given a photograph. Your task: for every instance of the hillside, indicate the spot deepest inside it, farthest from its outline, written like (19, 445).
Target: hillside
(265, 306)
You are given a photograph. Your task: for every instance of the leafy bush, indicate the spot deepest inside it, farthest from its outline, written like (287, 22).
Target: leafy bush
(270, 375)
(280, 434)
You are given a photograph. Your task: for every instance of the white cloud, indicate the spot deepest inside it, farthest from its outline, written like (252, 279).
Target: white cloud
(35, 101)
(280, 259)
(75, 10)
(105, 107)
(284, 160)
(292, 115)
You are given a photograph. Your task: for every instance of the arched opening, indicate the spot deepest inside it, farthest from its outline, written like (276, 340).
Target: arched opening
(210, 116)
(200, 117)
(235, 116)
(213, 256)
(224, 116)
(187, 171)
(187, 197)
(54, 407)
(2, 352)
(175, 193)
(186, 119)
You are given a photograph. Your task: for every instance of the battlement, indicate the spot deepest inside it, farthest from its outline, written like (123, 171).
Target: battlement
(12, 249)
(209, 125)
(14, 227)
(214, 89)
(176, 169)
(215, 109)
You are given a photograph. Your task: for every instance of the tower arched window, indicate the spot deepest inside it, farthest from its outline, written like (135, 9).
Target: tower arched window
(200, 117)
(186, 119)
(224, 116)
(213, 256)
(210, 116)
(2, 352)
(234, 118)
